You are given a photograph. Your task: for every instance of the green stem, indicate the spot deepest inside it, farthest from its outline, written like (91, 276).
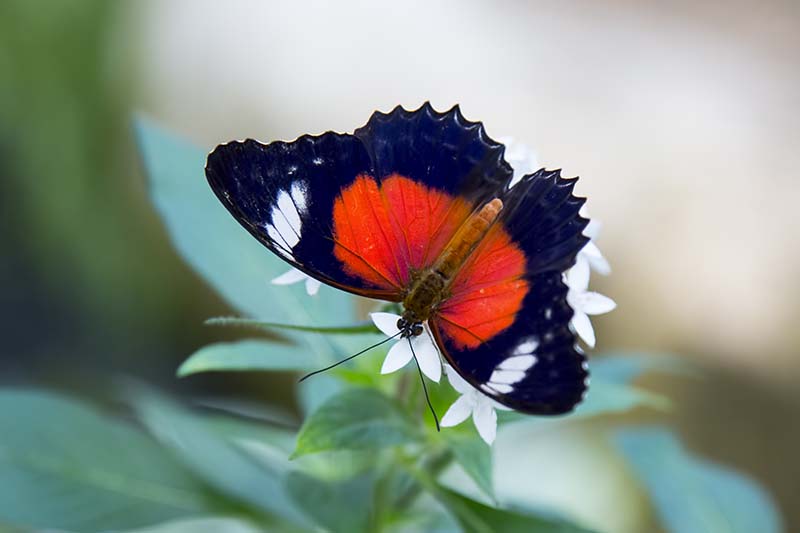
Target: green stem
(464, 513)
(432, 465)
(365, 327)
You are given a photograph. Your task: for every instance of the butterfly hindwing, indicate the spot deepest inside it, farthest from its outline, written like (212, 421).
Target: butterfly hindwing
(505, 328)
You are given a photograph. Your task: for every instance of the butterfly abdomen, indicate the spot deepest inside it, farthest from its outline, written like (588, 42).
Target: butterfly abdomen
(467, 238)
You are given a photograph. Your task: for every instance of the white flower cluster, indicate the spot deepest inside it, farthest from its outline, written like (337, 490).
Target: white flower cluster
(583, 302)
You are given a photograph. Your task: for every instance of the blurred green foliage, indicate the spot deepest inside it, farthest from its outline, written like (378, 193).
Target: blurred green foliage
(85, 260)
(93, 271)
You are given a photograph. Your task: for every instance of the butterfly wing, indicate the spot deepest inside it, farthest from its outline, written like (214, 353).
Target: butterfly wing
(362, 212)
(505, 327)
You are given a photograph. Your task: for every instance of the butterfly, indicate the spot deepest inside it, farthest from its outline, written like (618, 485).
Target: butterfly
(416, 207)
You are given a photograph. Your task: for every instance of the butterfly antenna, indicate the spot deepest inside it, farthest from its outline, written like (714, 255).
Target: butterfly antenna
(424, 388)
(346, 359)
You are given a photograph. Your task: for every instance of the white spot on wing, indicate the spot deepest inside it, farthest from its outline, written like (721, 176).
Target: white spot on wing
(501, 388)
(506, 376)
(514, 368)
(487, 389)
(527, 346)
(285, 221)
(317, 161)
(299, 191)
(518, 362)
(279, 241)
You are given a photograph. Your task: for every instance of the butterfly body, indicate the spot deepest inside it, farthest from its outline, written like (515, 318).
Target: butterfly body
(416, 208)
(430, 287)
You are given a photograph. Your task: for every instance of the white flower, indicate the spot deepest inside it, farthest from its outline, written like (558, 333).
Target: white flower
(521, 158)
(591, 252)
(400, 353)
(296, 276)
(583, 301)
(472, 402)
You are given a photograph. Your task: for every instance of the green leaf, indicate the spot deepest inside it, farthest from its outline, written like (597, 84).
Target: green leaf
(338, 506)
(202, 525)
(474, 456)
(64, 465)
(606, 398)
(312, 393)
(220, 250)
(356, 329)
(227, 468)
(356, 419)
(251, 355)
(625, 367)
(691, 494)
(476, 517)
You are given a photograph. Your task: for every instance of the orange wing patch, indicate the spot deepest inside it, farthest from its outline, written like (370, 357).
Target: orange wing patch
(384, 232)
(486, 293)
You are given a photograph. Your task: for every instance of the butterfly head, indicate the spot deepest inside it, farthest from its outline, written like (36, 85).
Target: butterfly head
(409, 328)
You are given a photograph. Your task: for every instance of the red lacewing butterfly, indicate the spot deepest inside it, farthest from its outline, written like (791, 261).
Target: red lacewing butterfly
(415, 207)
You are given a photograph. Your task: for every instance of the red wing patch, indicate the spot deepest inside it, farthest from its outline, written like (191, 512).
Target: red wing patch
(384, 232)
(487, 292)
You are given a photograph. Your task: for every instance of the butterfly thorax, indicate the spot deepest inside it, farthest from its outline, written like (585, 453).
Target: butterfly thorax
(430, 287)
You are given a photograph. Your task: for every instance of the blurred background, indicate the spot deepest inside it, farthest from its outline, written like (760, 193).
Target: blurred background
(682, 119)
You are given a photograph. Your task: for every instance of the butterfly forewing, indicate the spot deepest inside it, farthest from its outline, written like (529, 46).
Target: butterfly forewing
(360, 212)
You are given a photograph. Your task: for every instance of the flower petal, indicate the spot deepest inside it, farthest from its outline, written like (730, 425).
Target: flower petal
(592, 229)
(386, 322)
(499, 406)
(458, 412)
(578, 276)
(312, 286)
(457, 382)
(521, 158)
(583, 327)
(485, 420)
(595, 258)
(599, 264)
(596, 304)
(291, 276)
(399, 355)
(427, 356)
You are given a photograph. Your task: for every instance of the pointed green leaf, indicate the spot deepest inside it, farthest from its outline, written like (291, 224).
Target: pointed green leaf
(222, 465)
(356, 419)
(691, 494)
(63, 465)
(251, 355)
(474, 456)
(476, 517)
(202, 525)
(624, 367)
(220, 250)
(344, 505)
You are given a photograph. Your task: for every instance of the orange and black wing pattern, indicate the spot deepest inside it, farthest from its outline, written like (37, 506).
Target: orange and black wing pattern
(368, 212)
